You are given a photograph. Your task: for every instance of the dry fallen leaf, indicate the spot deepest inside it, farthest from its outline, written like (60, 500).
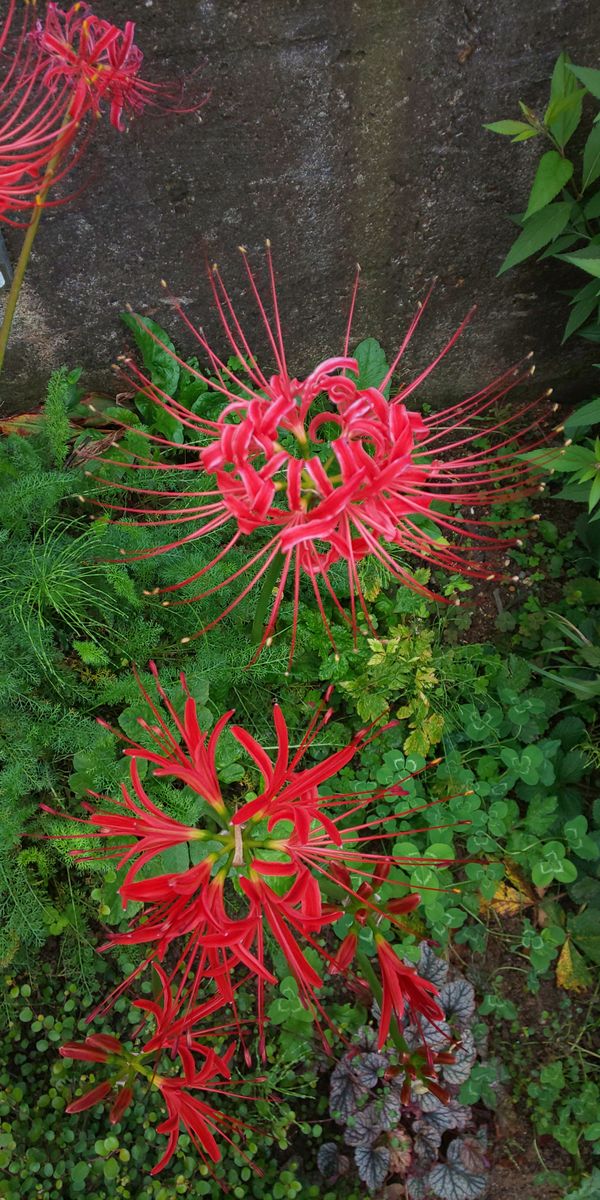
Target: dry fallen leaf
(507, 901)
(21, 423)
(572, 971)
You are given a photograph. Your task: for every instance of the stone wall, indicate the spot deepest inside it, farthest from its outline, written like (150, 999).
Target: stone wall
(343, 131)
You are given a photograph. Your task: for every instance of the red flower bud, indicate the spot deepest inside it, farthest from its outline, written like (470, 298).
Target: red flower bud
(345, 954)
(89, 1099)
(120, 1105)
(403, 904)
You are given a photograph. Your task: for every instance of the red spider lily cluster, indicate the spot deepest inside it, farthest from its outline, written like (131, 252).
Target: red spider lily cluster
(277, 868)
(203, 1071)
(324, 471)
(55, 71)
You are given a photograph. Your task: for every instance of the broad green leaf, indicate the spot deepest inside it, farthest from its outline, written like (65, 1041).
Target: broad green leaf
(585, 931)
(558, 107)
(588, 76)
(594, 493)
(592, 208)
(588, 414)
(584, 304)
(154, 345)
(525, 135)
(552, 174)
(372, 364)
(510, 128)
(591, 332)
(540, 229)
(574, 458)
(591, 159)
(588, 259)
(163, 370)
(562, 243)
(555, 459)
(563, 121)
(175, 859)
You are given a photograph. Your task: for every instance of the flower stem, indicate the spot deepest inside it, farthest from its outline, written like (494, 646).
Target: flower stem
(264, 597)
(21, 267)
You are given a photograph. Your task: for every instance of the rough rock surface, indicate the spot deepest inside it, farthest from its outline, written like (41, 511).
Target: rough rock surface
(343, 131)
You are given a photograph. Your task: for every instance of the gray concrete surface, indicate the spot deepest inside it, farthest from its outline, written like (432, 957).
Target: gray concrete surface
(343, 131)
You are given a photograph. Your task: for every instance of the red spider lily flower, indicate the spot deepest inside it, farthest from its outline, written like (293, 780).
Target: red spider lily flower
(36, 126)
(200, 1120)
(403, 988)
(63, 68)
(148, 830)
(98, 1047)
(299, 857)
(99, 63)
(328, 471)
(196, 1118)
(189, 755)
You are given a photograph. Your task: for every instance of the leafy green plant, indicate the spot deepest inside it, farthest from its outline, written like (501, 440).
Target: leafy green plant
(579, 459)
(43, 1155)
(550, 1063)
(588, 1189)
(575, 661)
(562, 217)
(391, 1133)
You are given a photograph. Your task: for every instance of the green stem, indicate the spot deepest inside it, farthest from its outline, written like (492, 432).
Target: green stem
(21, 267)
(17, 280)
(264, 598)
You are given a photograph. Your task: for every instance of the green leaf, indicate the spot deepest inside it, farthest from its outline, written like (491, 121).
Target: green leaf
(575, 458)
(584, 302)
(175, 860)
(110, 1168)
(511, 128)
(588, 259)
(163, 370)
(91, 654)
(557, 108)
(80, 1172)
(591, 332)
(589, 77)
(562, 243)
(592, 207)
(372, 364)
(563, 121)
(524, 137)
(154, 345)
(588, 414)
(585, 931)
(552, 174)
(538, 230)
(594, 496)
(591, 159)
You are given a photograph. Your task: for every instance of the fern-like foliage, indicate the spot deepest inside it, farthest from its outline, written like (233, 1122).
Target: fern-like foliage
(57, 428)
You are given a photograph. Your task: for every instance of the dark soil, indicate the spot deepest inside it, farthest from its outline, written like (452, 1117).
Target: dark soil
(522, 1163)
